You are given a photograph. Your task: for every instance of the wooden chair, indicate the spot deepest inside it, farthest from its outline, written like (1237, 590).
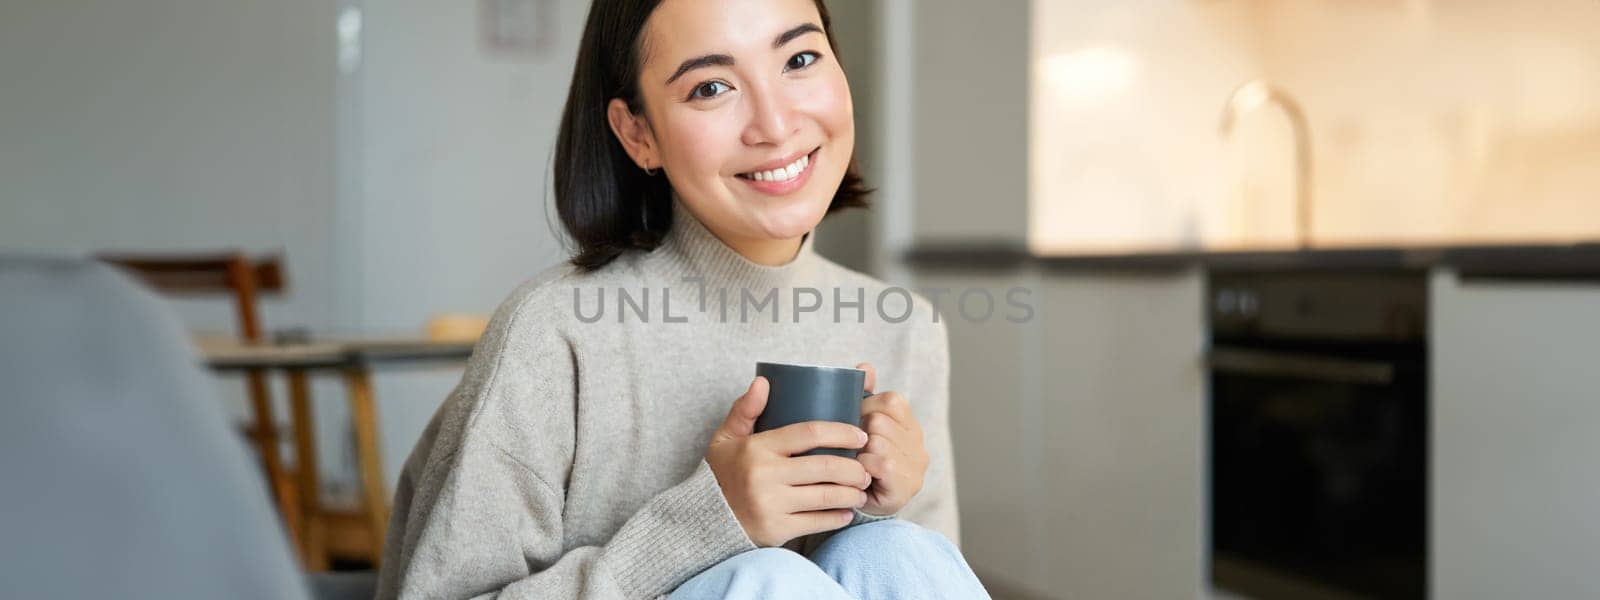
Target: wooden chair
(244, 279)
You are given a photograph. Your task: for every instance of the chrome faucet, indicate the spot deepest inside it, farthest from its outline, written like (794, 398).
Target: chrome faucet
(1253, 95)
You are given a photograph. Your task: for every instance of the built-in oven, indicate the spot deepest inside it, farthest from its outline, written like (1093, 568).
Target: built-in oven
(1318, 434)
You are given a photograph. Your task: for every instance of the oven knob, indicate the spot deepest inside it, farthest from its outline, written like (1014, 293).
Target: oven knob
(1227, 301)
(1249, 303)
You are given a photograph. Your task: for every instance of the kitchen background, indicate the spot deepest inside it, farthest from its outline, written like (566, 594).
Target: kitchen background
(1155, 171)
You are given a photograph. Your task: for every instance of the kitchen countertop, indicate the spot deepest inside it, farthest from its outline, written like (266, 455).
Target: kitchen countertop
(1579, 262)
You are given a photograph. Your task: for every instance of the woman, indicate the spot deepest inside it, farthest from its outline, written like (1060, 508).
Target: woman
(589, 454)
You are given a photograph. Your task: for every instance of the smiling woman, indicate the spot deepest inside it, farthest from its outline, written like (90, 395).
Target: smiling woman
(582, 457)
(750, 127)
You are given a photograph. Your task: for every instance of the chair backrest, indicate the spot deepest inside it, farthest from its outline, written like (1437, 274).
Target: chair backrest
(232, 273)
(118, 475)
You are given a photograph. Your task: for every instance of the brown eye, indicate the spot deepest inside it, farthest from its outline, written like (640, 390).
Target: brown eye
(802, 60)
(709, 89)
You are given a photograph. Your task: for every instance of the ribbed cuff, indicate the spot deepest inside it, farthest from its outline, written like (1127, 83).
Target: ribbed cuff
(861, 517)
(681, 532)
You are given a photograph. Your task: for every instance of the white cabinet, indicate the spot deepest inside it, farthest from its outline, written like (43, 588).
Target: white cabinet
(1079, 435)
(1122, 415)
(989, 430)
(1516, 439)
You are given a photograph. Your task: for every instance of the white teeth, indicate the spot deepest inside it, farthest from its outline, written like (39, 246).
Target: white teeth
(785, 173)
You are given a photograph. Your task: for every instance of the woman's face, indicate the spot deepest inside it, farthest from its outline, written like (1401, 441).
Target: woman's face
(747, 110)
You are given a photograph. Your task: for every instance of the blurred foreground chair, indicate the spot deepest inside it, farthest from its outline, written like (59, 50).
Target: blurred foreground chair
(119, 476)
(242, 279)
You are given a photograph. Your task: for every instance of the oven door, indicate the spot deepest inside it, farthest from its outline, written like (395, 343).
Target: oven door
(1318, 471)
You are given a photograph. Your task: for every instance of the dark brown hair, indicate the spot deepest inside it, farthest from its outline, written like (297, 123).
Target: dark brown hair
(607, 204)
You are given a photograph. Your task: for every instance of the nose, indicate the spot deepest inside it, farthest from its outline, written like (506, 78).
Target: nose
(771, 117)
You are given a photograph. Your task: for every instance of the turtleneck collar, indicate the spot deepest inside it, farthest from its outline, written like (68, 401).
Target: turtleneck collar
(698, 252)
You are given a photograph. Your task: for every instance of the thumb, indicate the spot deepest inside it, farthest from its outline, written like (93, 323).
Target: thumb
(741, 421)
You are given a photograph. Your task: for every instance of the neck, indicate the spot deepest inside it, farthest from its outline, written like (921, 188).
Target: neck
(738, 263)
(765, 252)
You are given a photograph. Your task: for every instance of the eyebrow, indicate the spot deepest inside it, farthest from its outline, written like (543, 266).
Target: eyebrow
(797, 31)
(723, 60)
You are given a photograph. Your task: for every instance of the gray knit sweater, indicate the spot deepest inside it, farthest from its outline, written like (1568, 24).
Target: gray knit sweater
(569, 461)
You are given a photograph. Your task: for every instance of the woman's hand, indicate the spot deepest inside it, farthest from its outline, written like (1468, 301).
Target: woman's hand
(894, 456)
(778, 496)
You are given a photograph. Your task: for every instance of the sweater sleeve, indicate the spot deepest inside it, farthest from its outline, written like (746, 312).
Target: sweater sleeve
(479, 509)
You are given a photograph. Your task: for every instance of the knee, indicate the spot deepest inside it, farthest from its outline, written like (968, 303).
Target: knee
(757, 573)
(891, 545)
(776, 563)
(893, 534)
(895, 558)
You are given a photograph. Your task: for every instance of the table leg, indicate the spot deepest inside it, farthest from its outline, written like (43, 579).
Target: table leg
(312, 538)
(266, 438)
(376, 496)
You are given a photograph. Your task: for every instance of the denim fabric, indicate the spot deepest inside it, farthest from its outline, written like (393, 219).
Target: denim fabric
(883, 560)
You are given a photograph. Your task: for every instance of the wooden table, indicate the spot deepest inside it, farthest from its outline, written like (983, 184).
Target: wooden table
(321, 530)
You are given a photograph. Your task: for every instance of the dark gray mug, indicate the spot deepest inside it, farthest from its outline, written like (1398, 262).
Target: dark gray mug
(800, 393)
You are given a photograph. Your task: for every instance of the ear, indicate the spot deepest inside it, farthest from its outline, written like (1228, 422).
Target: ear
(634, 133)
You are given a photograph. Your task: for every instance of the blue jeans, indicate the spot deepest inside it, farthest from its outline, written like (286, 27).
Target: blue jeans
(887, 560)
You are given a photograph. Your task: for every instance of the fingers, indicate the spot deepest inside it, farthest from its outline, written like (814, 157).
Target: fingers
(822, 496)
(741, 420)
(818, 521)
(893, 404)
(872, 376)
(880, 446)
(879, 466)
(800, 437)
(823, 468)
(897, 472)
(879, 423)
(892, 489)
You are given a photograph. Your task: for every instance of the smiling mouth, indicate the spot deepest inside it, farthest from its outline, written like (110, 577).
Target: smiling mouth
(784, 173)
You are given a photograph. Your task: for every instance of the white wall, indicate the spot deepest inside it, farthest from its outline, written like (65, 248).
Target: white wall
(453, 163)
(970, 114)
(177, 125)
(172, 125)
(847, 237)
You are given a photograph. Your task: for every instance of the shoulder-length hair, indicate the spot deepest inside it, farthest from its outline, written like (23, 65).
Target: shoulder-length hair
(607, 204)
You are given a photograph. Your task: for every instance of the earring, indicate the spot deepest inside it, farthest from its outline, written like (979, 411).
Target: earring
(649, 171)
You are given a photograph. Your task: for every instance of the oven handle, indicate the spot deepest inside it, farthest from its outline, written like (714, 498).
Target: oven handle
(1244, 361)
